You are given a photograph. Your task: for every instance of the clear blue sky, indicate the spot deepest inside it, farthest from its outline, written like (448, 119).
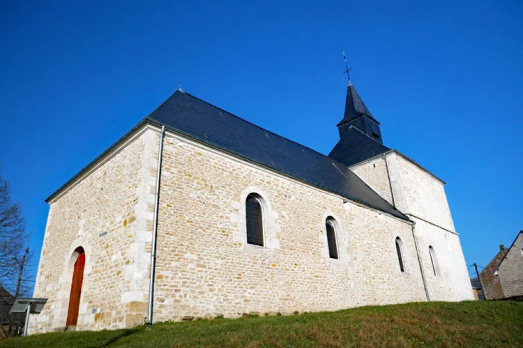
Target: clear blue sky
(443, 78)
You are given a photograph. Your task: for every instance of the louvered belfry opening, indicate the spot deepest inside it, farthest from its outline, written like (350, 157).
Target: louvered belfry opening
(254, 220)
(76, 288)
(331, 238)
(400, 256)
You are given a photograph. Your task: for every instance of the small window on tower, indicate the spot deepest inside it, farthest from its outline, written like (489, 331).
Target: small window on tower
(374, 130)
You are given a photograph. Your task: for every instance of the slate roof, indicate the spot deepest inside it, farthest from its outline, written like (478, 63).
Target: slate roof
(355, 147)
(196, 119)
(354, 107)
(206, 123)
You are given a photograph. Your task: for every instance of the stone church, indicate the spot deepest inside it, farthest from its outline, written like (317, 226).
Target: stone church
(196, 212)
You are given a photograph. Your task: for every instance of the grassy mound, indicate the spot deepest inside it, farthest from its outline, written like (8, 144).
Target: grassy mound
(436, 324)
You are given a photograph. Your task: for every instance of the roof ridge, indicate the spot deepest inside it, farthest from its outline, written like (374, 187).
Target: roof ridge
(249, 122)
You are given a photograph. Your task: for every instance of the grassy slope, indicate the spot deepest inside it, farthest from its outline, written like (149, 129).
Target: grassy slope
(465, 324)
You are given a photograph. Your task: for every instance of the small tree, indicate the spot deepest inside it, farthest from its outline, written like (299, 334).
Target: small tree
(13, 249)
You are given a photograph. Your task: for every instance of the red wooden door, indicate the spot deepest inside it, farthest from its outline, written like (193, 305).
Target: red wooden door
(76, 290)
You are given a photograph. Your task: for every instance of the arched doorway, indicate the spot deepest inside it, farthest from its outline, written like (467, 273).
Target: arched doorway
(76, 287)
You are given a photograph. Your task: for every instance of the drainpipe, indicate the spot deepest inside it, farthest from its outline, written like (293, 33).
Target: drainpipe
(419, 261)
(155, 227)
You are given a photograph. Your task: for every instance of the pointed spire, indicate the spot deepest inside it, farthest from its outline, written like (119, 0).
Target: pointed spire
(354, 106)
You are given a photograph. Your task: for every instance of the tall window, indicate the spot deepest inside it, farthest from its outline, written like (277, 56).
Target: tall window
(399, 250)
(254, 219)
(433, 260)
(331, 237)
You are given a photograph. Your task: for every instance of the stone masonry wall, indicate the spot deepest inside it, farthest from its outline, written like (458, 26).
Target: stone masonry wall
(451, 282)
(205, 267)
(426, 203)
(422, 197)
(109, 213)
(511, 270)
(424, 194)
(375, 174)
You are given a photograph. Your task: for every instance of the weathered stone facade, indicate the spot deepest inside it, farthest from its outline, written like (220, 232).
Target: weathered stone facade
(490, 279)
(421, 196)
(510, 270)
(108, 212)
(205, 267)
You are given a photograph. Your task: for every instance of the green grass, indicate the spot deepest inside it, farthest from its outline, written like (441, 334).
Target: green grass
(436, 324)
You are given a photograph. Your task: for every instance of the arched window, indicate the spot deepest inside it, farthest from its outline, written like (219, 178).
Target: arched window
(330, 227)
(399, 251)
(433, 260)
(254, 219)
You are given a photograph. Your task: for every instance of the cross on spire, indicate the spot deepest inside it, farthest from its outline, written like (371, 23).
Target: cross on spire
(347, 69)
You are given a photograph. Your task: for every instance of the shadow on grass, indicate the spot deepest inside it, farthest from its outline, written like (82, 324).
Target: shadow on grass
(115, 339)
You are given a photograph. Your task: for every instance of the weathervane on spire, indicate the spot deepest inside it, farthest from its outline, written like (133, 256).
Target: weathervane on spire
(347, 70)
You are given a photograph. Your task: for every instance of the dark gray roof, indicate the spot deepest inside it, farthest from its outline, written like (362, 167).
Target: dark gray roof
(354, 107)
(199, 120)
(196, 119)
(355, 147)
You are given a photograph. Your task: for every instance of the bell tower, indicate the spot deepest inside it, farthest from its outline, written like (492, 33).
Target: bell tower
(360, 134)
(358, 116)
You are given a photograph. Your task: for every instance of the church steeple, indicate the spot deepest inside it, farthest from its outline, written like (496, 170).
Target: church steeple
(360, 135)
(358, 116)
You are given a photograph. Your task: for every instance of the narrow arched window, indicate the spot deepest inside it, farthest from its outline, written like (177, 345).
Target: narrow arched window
(254, 220)
(433, 260)
(330, 227)
(399, 250)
